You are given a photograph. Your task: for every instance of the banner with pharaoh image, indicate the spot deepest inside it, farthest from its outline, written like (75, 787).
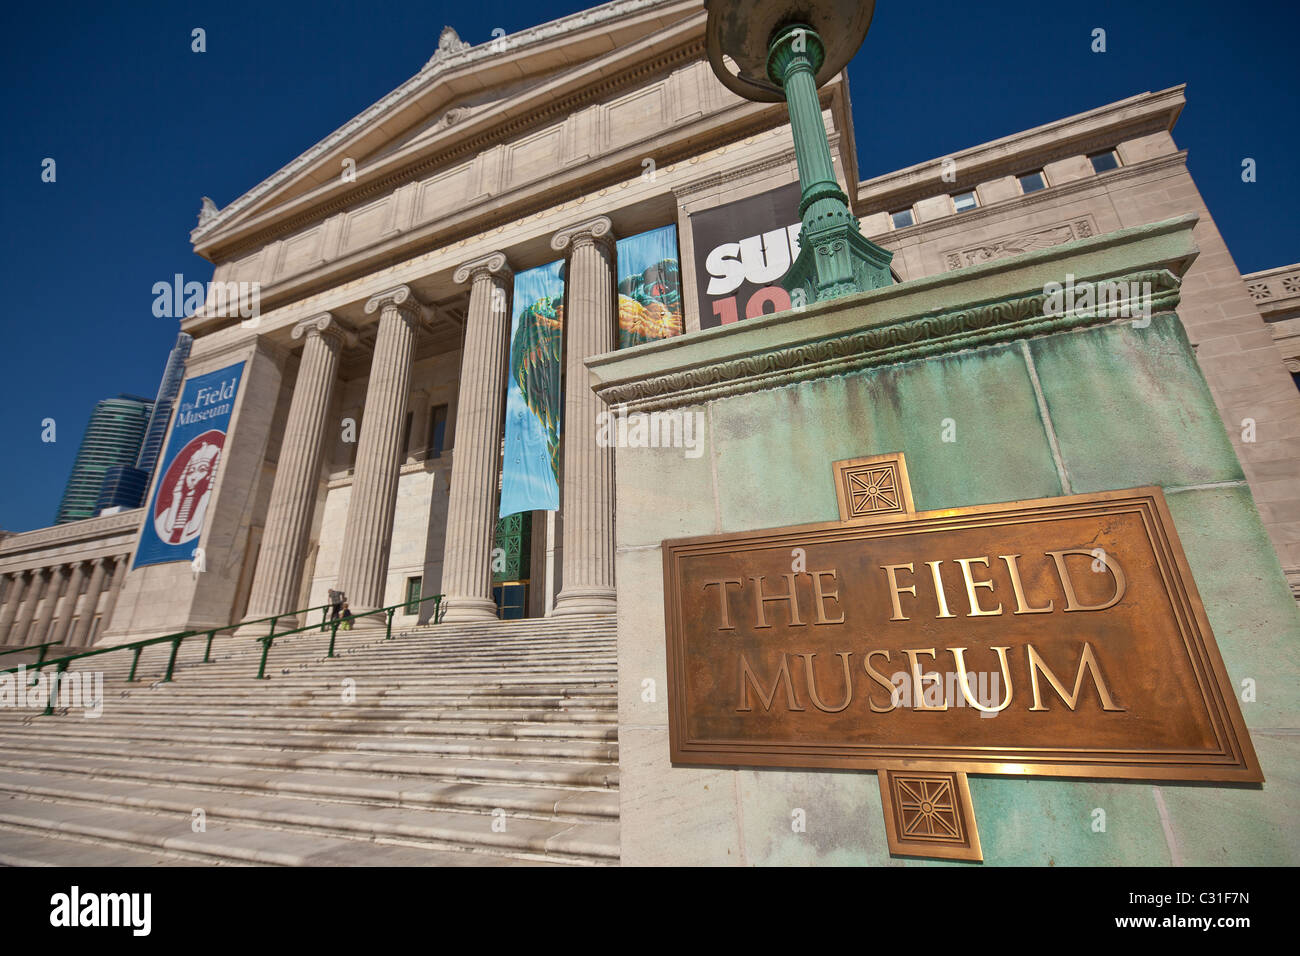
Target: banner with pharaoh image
(530, 471)
(186, 474)
(649, 287)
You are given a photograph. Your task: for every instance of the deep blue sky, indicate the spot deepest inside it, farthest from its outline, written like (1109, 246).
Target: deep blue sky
(141, 127)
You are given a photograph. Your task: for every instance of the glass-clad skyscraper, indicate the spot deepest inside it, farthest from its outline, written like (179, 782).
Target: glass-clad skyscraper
(113, 437)
(126, 485)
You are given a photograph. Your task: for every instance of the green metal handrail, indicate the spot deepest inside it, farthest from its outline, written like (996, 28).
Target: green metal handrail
(40, 658)
(334, 625)
(61, 663)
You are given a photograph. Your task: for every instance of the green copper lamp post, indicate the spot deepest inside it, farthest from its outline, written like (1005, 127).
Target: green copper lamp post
(784, 51)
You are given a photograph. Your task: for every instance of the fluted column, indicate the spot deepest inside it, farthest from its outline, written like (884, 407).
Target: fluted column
(114, 589)
(480, 409)
(278, 580)
(58, 575)
(81, 633)
(68, 606)
(35, 591)
(363, 567)
(13, 598)
(587, 495)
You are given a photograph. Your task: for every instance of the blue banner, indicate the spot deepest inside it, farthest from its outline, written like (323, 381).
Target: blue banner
(649, 287)
(529, 479)
(187, 472)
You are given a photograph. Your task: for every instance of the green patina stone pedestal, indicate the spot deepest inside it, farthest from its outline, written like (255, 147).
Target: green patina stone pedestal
(1036, 405)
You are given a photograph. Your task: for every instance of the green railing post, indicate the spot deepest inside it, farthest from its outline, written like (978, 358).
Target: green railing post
(54, 687)
(171, 661)
(324, 617)
(266, 649)
(388, 626)
(334, 632)
(138, 647)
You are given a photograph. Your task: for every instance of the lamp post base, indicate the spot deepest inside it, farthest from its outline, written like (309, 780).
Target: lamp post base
(835, 262)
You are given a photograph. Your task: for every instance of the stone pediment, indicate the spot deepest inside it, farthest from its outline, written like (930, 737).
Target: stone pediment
(461, 94)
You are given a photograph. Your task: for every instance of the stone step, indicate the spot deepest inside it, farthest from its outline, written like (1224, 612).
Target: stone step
(171, 834)
(373, 694)
(506, 725)
(293, 677)
(586, 698)
(220, 728)
(560, 803)
(430, 690)
(88, 731)
(154, 660)
(22, 847)
(331, 707)
(438, 828)
(448, 725)
(441, 766)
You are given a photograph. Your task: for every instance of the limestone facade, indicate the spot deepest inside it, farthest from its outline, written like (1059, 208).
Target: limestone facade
(1246, 350)
(382, 255)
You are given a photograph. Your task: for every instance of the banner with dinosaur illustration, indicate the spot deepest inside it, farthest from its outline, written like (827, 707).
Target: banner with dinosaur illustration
(649, 287)
(530, 472)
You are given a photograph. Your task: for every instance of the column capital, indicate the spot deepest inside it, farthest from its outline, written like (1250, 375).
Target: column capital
(493, 264)
(598, 231)
(400, 298)
(327, 327)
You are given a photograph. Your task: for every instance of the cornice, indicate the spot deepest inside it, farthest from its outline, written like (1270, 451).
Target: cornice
(901, 340)
(685, 191)
(240, 347)
(1021, 151)
(87, 529)
(1048, 196)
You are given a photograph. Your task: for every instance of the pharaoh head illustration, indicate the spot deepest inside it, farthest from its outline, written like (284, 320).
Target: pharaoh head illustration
(185, 489)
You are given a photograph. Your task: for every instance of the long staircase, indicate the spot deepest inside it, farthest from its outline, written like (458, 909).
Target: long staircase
(451, 745)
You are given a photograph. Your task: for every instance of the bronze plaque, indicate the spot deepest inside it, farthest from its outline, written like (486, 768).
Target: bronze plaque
(1061, 636)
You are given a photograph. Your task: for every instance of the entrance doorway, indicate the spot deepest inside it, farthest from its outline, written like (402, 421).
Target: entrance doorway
(511, 560)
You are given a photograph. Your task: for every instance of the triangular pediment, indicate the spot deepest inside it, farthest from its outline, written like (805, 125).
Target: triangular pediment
(462, 95)
(439, 121)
